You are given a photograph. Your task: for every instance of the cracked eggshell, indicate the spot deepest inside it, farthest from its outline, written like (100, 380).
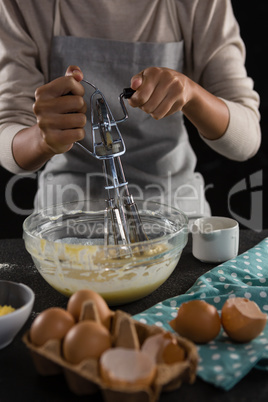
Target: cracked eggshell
(197, 320)
(127, 368)
(242, 319)
(163, 348)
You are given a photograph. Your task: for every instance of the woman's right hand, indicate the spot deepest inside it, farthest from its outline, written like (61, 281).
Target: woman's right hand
(60, 111)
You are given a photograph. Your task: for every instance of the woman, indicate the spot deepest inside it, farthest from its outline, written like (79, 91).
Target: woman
(181, 58)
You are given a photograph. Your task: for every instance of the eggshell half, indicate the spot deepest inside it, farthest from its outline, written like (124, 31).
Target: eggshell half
(242, 319)
(163, 348)
(127, 367)
(197, 320)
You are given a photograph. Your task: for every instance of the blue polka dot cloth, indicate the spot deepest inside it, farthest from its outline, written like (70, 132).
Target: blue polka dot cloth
(223, 362)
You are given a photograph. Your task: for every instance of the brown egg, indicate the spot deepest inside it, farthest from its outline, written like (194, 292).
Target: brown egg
(52, 323)
(75, 305)
(125, 367)
(163, 348)
(85, 340)
(197, 320)
(242, 319)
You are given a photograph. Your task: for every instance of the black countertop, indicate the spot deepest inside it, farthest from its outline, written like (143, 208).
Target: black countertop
(19, 380)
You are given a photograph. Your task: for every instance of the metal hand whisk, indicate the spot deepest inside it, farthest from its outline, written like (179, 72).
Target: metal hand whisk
(122, 221)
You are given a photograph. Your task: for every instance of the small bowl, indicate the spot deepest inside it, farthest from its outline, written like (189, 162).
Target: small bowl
(66, 243)
(21, 297)
(215, 239)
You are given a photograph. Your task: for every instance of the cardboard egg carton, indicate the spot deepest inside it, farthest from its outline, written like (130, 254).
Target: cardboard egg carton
(85, 379)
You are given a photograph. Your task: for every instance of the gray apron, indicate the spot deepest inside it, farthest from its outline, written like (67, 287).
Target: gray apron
(159, 162)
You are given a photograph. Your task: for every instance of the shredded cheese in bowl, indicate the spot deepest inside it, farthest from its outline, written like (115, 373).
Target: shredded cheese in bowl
(6, 310)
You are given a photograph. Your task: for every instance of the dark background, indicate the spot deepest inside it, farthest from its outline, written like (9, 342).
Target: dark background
(220, 174)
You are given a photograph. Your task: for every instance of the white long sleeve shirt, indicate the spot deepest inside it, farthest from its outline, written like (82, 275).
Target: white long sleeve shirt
(214, 57)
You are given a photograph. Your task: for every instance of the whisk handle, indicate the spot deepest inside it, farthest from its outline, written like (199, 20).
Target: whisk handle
(128, 92)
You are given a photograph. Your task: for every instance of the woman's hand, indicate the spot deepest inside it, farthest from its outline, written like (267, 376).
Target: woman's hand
(161, 92)
(60, 111)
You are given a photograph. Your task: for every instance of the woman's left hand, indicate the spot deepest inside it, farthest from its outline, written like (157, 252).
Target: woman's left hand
(160, 91)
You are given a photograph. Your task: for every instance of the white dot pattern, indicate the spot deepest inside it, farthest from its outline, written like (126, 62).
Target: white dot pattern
(222, 362)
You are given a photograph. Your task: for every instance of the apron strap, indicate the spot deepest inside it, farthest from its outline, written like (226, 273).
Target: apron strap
(57, 19)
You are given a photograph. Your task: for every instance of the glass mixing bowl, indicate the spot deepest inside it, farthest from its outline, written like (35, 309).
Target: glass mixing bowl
(66, 243)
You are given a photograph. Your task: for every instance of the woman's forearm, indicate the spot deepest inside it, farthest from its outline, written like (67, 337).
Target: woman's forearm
(29, 149)
(209, 114)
